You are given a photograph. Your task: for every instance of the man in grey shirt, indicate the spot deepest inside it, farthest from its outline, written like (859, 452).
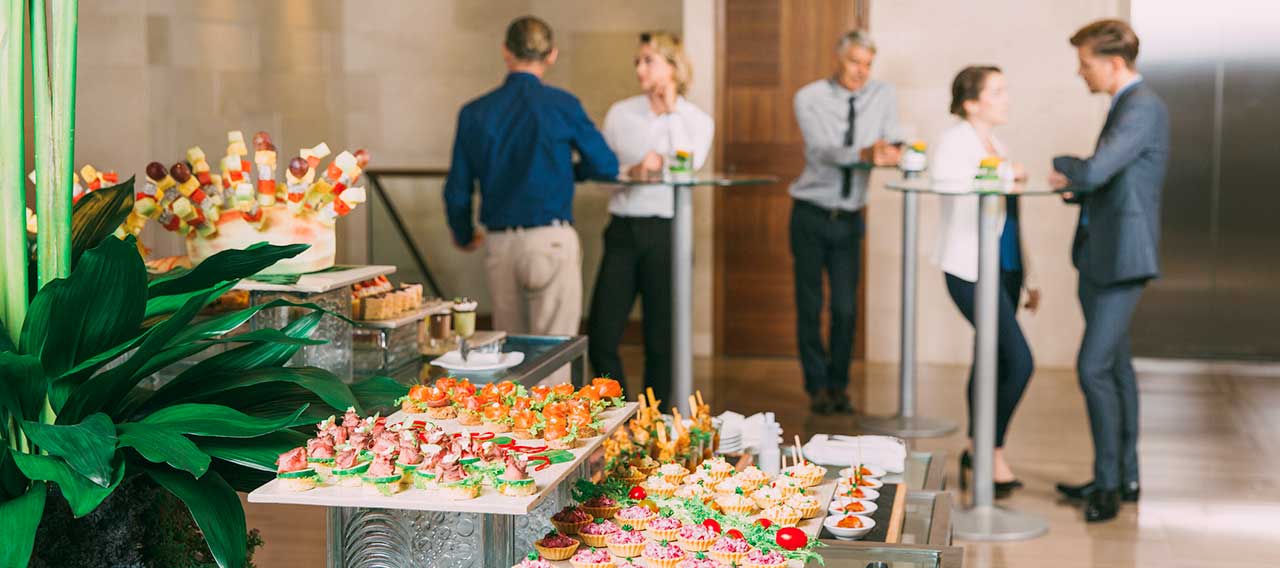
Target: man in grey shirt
(845, 120)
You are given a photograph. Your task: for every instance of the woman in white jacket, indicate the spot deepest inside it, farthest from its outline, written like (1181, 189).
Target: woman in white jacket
(980, 100)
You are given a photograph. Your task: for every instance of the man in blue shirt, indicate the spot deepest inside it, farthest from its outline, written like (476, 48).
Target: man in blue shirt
(518, 142)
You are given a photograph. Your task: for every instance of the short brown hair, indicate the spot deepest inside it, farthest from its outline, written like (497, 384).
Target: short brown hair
(1109, 38)
(529, 39)
(967, 86)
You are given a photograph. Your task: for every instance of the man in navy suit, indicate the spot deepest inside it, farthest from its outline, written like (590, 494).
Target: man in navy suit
(1116, 251)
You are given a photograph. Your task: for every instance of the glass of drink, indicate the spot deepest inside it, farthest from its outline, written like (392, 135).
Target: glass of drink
(464, 317)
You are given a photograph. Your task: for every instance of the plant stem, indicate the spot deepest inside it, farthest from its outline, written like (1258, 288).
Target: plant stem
(13, 232)
(54, 90)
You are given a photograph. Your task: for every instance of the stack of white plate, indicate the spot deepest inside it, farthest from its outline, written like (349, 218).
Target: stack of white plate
(730, 436)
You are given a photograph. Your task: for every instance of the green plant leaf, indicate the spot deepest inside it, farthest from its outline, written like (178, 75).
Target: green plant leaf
(12, 482)
(158, 306)
(88, 447)
(81, 494)
(258, 453)
(109, 388)
(19, 518)
(242, 478)
(252, 356)
(377, 393)
(97, 215)
(225, 266)
(98, 307)
(22, 385)
(158, 445)
(324, 384)
(6, 344)
(216, 420)
(215, 508)
(226, 323)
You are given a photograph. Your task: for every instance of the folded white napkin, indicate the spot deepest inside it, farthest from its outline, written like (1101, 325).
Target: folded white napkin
(885, 452)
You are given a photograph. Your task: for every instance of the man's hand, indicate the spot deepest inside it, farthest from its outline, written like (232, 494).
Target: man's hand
(1058, 181)
(649, 166)
(885, 154)
(477, 241)
(1033, 300)
(881, 153)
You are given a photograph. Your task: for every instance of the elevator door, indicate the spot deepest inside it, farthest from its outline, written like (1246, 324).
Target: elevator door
(1218, 70)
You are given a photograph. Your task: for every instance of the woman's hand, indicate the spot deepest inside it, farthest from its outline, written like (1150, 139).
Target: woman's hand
(649, 166)
(669, 96)
(1019, 172)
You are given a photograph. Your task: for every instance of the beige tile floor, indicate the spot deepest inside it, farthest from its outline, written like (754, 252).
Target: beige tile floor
(1210, 453)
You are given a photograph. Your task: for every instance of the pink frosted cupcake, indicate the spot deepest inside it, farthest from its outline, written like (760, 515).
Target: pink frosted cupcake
(627, 544)
(665, 528)
(636, 516)
(729, 550)
(596, 534)
(759, 559)
(592, 558)
(696, 538)
(663, 554)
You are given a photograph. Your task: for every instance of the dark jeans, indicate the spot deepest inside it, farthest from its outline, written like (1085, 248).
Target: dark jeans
(831, 242)
(637, 260)
(1110, 385)
(1013, 355)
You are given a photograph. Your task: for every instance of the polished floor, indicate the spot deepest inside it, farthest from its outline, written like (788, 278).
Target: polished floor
(1210, 456)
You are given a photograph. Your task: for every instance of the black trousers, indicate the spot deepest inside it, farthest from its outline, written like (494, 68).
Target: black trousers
(637, 261)
(830, 242)
(1013, 356)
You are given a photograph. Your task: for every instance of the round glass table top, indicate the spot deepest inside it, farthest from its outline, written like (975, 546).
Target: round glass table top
(711, 179)
(967, 187)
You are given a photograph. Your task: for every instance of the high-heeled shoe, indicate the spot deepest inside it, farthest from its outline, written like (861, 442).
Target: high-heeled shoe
(1002, 488)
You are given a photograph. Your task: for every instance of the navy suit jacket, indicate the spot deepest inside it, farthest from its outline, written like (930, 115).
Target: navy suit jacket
(1118, 189)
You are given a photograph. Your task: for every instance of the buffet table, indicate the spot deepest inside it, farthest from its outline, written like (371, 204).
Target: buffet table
(415, 528)
(418, 528)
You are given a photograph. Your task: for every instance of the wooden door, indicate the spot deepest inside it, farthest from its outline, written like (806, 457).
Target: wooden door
(769, 49)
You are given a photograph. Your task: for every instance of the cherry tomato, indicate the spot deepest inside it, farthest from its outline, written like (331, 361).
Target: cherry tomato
(650, 505)
(638, 493)
(712, 524)
(766, 523)
(735, 534)
(791, 538)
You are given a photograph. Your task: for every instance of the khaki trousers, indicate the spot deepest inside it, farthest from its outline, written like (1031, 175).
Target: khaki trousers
(535, 278)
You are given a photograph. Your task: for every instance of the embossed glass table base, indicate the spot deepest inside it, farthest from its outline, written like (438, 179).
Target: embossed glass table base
(390, 538)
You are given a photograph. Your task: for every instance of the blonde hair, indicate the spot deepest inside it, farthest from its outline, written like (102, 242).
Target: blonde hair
(668, 45)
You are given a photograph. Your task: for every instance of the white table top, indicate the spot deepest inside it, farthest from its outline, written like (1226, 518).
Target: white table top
(489, 501)
(320, 282)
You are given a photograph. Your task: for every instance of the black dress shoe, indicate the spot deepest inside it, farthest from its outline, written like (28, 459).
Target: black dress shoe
(1129, 493)
(820, 403)
(840, 403)
(1101, 505)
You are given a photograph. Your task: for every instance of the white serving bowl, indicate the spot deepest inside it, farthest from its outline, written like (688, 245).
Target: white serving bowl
(876, 472)
(836, 506)
(848, 534)
(868, 494)
(868, 483)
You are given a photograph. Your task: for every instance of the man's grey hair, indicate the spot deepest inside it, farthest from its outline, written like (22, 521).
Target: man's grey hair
(859, 38)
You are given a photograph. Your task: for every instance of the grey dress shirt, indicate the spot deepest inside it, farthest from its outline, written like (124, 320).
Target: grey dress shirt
(822, 109)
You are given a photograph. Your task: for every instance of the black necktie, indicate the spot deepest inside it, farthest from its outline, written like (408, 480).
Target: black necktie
(846, 174)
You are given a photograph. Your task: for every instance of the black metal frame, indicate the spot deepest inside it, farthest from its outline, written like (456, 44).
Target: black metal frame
(418, 258)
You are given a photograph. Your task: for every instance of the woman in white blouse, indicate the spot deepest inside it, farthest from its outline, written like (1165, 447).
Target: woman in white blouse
(645, 131)
(979, 98)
